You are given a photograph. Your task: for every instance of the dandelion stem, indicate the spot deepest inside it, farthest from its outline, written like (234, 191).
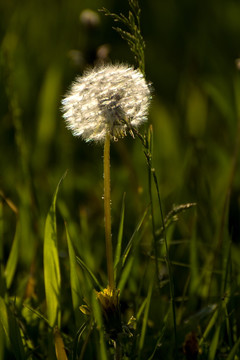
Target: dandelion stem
(107, 212)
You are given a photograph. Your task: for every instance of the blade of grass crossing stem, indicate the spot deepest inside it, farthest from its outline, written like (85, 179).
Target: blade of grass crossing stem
(77, 340)
(171, 282)
(102, 353)
(145, 317)
(194, 280)
(141, 309)
(226, 265)
(210, 325)
(160, 336)
(13, 258)
(93, 278)
(85, 342)
(214, 344)
(120, 236)
(74, 280)
(227, 319)
(12, 331)
(152, 174)
(37, 313)
(127, 266)
(125, 274)
(52, 276)
(234, 350)
(4, 320)
(130, 243)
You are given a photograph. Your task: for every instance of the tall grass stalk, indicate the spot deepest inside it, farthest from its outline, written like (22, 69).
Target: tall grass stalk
(136, 44)
(147, 145)
(171, 281)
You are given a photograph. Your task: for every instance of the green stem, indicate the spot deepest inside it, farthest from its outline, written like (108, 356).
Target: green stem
(107, 212)
(171, 283)
(152, 174)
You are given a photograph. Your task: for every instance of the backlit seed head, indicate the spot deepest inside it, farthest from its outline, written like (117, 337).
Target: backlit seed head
(107, 99)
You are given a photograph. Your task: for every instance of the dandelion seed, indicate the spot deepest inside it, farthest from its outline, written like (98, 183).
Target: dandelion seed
(107, 99)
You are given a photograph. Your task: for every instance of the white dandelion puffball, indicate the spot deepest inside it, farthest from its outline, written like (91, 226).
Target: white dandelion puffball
(107, 99)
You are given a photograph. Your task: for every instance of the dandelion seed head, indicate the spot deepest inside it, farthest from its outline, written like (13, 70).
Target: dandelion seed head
(107, 99)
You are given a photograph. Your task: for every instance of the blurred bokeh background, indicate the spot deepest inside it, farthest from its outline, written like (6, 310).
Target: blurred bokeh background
(191, 57)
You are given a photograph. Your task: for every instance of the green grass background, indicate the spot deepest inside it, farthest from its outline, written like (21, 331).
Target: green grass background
(191, 52)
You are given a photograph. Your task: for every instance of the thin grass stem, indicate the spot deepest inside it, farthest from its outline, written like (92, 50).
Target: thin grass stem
(147, 143)
(171, 283)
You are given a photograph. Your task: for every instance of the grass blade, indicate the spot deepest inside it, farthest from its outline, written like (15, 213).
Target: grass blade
(52, 276)
(210, 325)
(234, 350)
(99, 321)
(145, 317)
(126, 267)
(160, 336)
(90, 273)
(37, 313)
(59, 345)
(74, 280)
(125, 274)
(13, 258)
(194, 280)
(77, 340)
(193, 321)
(141, 309)
(130, 243)
(11, 330)
(214, 344)
(85, 342)
(120, 236)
